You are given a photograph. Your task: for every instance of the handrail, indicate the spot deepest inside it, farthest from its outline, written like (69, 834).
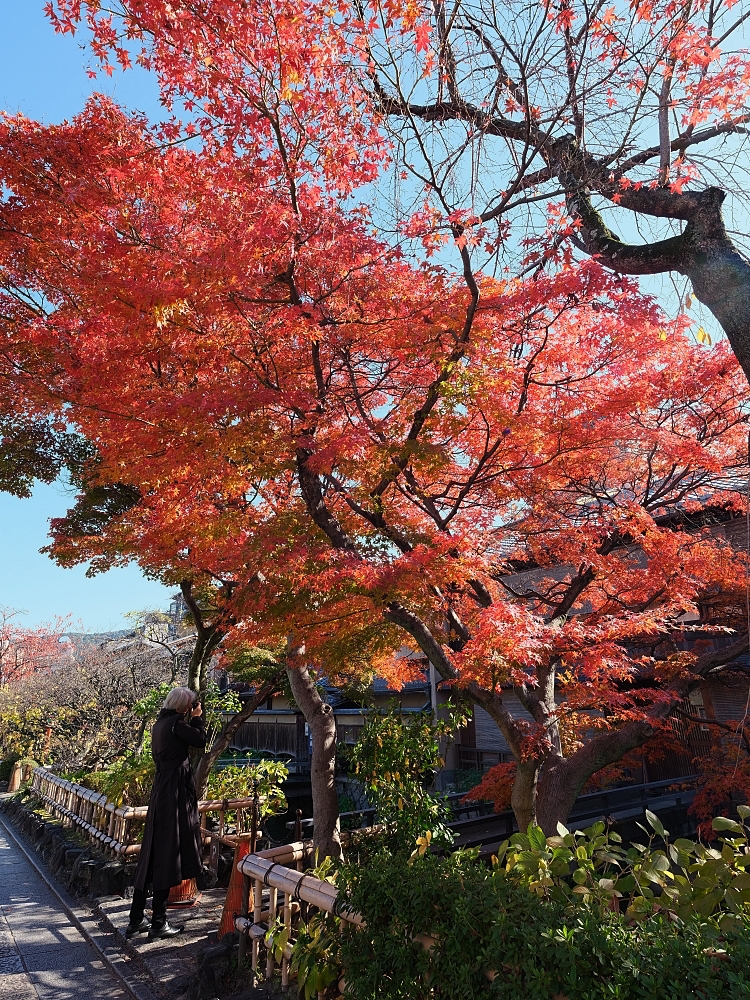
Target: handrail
(294, 888)
(110, 827)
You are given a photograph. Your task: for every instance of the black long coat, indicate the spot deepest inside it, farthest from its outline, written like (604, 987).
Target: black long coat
(171, 845)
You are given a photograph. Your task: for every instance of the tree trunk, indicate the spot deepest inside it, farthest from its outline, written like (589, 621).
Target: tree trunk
(319, 717)
(559, 786)
(703, 252)
(562, 778)
(209, 758)
(205, 645)
(525, 793)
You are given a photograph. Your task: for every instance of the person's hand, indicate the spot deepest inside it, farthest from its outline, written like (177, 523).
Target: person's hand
(197, 711)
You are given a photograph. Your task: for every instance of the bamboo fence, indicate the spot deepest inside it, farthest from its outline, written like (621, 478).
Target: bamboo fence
(112, 828)
(288, 889)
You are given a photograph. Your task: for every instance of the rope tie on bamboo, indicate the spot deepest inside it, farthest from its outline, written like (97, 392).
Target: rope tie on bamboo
(225, 805)
(265, 877)
(295, 895)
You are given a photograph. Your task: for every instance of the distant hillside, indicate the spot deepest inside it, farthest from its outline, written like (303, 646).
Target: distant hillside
(97, 638)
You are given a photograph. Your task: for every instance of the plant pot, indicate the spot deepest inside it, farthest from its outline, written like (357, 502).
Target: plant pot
(184, 894)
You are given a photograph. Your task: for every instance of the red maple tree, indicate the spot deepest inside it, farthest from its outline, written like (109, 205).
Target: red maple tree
(24, 651)
(368, 449)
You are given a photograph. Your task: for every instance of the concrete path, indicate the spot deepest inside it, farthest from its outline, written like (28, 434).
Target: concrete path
(43, 956)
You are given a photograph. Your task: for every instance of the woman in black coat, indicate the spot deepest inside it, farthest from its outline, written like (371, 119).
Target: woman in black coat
(171, 848)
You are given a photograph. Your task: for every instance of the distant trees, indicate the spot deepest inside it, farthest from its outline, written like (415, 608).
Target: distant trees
(24, 651)
(78, 714)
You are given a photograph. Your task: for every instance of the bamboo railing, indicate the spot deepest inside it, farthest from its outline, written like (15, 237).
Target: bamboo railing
(288, 888)
(114, 828)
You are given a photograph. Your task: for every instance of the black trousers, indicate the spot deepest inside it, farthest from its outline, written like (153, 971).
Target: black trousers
(159, 908)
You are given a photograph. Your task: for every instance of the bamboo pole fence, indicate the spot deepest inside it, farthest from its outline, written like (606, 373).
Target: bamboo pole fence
(288, 889)
(272, 890)
(114, 829)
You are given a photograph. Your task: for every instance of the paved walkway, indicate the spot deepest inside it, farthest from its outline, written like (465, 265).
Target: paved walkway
(43, 956)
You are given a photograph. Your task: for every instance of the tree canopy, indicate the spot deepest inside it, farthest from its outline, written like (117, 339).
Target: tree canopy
(494, 464)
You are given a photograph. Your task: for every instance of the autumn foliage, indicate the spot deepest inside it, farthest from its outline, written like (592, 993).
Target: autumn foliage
(25, 651)
(367, 448)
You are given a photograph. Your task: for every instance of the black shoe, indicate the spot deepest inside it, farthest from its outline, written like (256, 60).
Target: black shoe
(141, 928)
(166, 930)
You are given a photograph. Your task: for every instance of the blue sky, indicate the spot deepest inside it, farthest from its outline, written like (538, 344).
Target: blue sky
(44, 76)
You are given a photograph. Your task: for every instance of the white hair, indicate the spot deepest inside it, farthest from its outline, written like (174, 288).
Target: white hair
(180, 699)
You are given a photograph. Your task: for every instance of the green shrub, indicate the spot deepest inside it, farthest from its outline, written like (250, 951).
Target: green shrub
(239, 782)
(577, 916)
(490, 937)
(685, 878)
(396, 759)
(6, 766)
(126, 781)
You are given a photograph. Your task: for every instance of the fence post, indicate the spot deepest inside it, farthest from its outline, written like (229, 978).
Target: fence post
(244, 910)
(272, 891)
(257, 913)
(288, 925)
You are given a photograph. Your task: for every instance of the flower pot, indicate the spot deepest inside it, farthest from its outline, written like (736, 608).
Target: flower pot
(184, 894)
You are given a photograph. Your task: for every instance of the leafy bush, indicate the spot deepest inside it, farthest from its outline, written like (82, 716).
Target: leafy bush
(396, 758)
(46, 733)
(265, 777)
(684, 879)
(447, 927)
(126, 781)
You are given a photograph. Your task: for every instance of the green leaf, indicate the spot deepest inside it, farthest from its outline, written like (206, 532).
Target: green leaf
(660, 862)
(724, 823)
(743, 811)
(656, 823)
(730, 924)
(707, 904)
(641, 905)
(687, 846)
(537, 838)
(652, 876)
(562, 830)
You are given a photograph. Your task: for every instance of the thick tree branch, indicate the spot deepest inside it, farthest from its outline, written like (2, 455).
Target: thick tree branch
(703, 252)
(561, 780)
(208, 759)
(312, 494)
